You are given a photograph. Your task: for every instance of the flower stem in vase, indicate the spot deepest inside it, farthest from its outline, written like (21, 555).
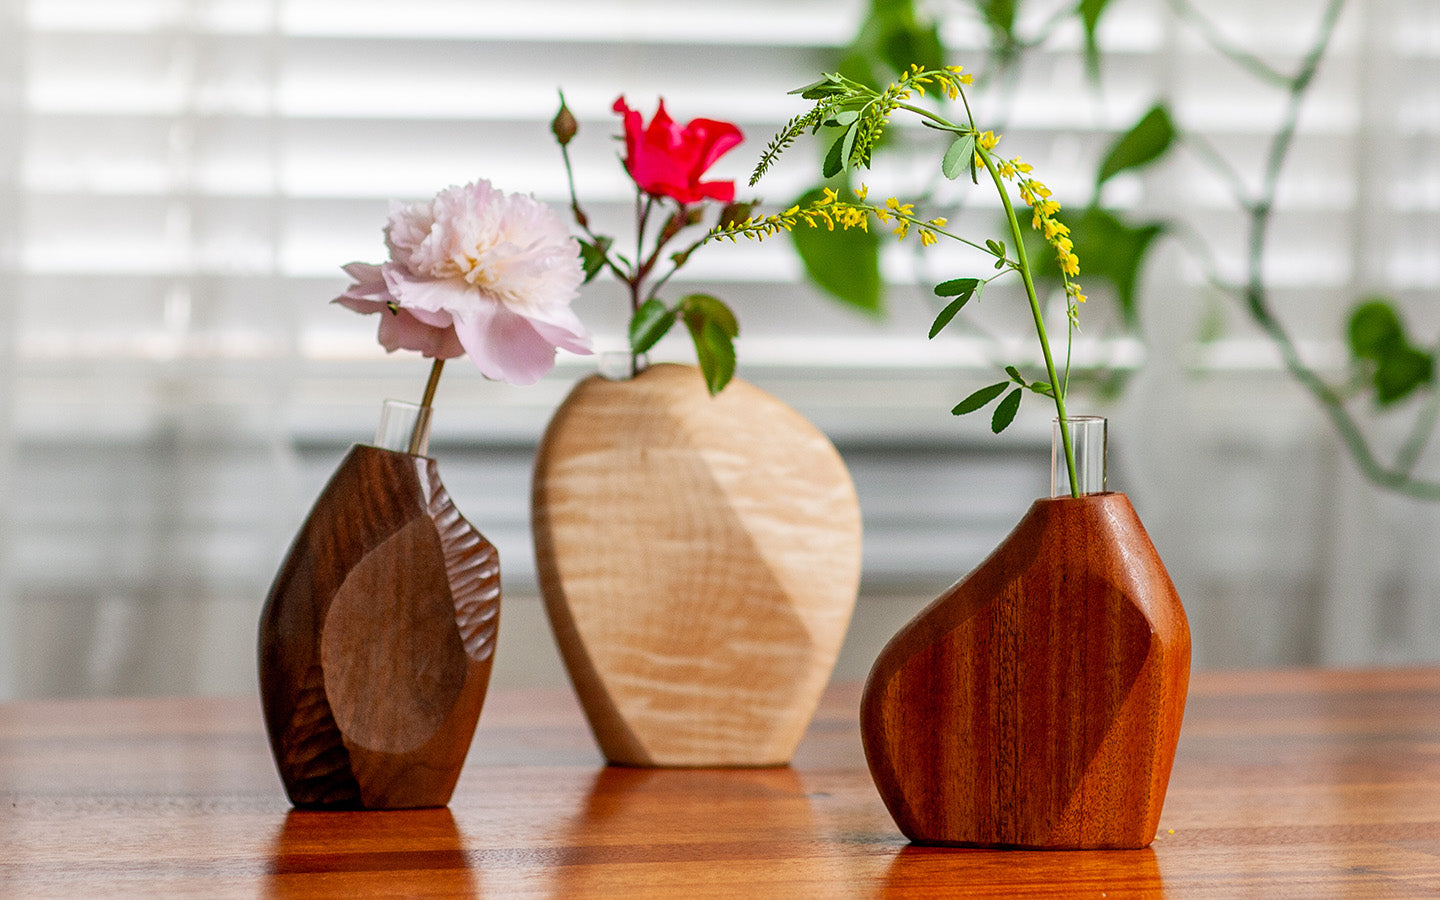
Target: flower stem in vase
(1077, 456)
(417, 440)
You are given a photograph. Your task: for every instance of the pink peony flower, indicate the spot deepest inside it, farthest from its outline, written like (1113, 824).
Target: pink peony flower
(668, 161)
(476, 272)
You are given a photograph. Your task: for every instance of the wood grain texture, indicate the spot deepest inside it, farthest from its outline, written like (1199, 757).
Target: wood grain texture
(1037, 703)
(377, 639)
(700, 560)
(1286, 784)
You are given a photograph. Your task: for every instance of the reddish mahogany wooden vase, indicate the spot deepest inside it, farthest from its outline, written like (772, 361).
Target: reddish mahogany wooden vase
(1037, 703)
(377, 639)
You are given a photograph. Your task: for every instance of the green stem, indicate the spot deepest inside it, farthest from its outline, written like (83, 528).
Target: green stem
(1243, 58)
(1023, 264)
(877, 211)
(581, 218)
(426, 399)
(1420, 434)
(637, 277)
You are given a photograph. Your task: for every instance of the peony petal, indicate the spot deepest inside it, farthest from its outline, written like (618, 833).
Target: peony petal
(435, 294)
(432, 318)
(505, 345)
(369, 284)
(363, 273)
(561, 327)
(402, 331)
(361, 305)
(560, 339)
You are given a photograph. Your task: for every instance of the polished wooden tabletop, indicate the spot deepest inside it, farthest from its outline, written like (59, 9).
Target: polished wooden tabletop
(1289, 784)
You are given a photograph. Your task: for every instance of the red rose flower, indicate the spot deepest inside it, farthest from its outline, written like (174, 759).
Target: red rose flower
(667, 161)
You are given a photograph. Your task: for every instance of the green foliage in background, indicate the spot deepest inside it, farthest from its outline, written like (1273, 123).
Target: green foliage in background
(1388, 365)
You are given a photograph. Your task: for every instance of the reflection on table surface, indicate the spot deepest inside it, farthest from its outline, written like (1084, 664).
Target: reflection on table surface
(1286, 784)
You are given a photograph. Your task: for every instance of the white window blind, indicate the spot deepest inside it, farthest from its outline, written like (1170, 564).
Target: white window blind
(182, 179)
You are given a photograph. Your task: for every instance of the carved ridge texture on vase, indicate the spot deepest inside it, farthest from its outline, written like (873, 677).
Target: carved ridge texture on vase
(699, 559)
(1037, 703)
(377, 639)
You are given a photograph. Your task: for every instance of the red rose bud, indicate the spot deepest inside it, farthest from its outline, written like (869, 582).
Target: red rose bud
(666, 160)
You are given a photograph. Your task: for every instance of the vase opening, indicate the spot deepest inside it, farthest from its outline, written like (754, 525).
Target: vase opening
(621, 365)
(404, 427)
(1087, 438)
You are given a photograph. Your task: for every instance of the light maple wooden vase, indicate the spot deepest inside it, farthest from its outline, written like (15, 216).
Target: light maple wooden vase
(1037, 702)
(377, 638)
(699, 559)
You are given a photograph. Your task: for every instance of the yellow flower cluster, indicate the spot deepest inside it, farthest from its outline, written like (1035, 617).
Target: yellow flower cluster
(1043, 210)
(832, 212)
(949, 79)
(988, 140)
(829, 211)
(904, 216)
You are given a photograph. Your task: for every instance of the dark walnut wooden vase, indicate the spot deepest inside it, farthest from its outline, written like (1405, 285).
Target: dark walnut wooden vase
(1037, 702)
(377, 639)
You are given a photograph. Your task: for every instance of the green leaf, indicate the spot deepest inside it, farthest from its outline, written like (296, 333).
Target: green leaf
(999, 14)
(857, 64)
(716, 352)
(947, 314)
(843, 263)
(956, 286)
(828, 86)
(1375, 330)
(960, 288)
(979, 398)
(1111, 251)
(1141, 145)
(1401, 372)
(1377, 335)
(1005, 412)
(1042, 388)
(1014, 374)
(649, 324)
(847, 149)
(1115, 251)
(1090, 12)
(701, 308)
(592, 256)
(995, 247)
(835, 159)
(713, 328)
(912, 42)
(958, 157)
